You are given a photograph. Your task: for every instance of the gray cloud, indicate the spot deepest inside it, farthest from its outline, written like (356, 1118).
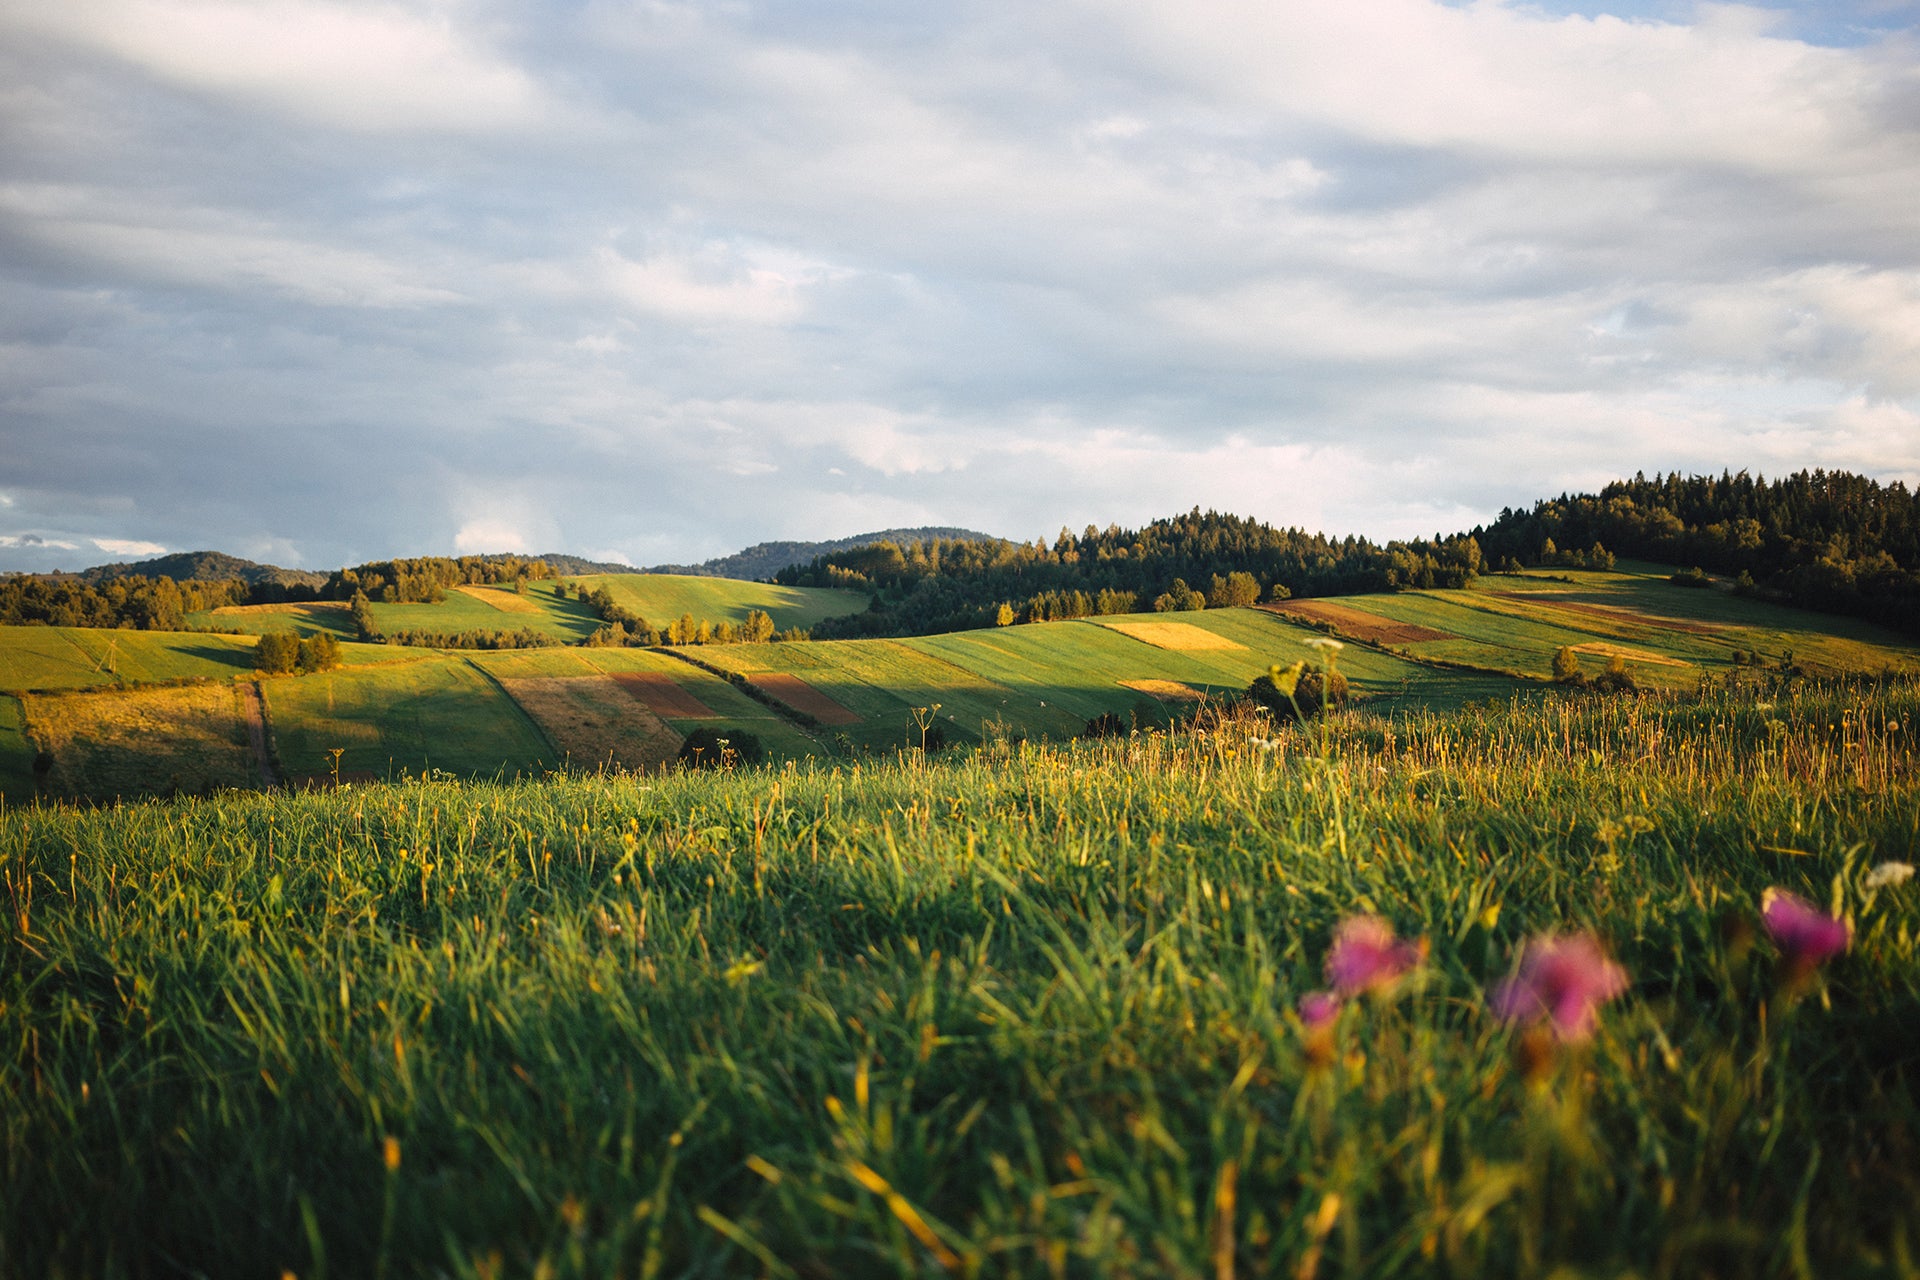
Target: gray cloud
(321, 280)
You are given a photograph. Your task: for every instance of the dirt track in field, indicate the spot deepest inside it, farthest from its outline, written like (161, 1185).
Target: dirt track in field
(253, 711)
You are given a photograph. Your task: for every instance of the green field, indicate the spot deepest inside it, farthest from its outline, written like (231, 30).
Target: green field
(437, 712)
(16, 753)
(537, 608)
(1670, 636)
(662, 597)
(659, 598)
(1026, 1012)
(731, 707)
(56, 658)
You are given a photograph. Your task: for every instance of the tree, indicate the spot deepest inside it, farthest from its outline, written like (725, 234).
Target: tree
(757, 628)
(320, 652)
(277, 652)
(1003, 616)
(1566, 666)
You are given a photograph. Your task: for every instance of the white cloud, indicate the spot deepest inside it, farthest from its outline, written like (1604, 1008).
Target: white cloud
(373, 68)
(128, 547)
(488, 535)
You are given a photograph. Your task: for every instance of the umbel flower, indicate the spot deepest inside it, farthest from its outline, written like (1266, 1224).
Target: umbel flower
(1366, 956)
(1805, 936)
(1889, 873)
(1562, 979)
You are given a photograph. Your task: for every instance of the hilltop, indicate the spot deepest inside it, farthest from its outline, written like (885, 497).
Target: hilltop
(764, 559)
(202, 566)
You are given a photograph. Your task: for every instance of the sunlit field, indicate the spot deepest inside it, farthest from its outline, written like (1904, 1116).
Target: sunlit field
(1036, 1011)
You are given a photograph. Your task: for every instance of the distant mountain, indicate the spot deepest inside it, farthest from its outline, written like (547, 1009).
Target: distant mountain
(202, 566)
(764, 559)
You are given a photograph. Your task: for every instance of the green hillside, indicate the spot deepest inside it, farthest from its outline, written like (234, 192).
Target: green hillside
(662, 597)
(659, 598)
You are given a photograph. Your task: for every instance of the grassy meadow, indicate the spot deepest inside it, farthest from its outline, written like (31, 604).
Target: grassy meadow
(1029, 1011)
(662, 597)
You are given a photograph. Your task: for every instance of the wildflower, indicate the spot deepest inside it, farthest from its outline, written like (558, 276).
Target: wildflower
(1806, 936)
(1327, 645)
(1367, 957)
(1889, 873)
(1318, 1009)
(1562, 979)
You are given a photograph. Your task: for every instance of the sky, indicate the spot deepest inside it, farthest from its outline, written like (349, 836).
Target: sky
(316, 282)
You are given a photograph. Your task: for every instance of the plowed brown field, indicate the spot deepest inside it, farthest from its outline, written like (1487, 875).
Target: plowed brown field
(592, 721)
(662, 695)
(801, 696)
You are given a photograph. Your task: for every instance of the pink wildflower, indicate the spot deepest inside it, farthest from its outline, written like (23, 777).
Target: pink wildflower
(1318, 1009)
(1562, 979)
(1366, 956)
(1806, 936)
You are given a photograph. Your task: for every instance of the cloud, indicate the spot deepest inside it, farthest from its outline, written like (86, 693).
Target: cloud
(128, 547)
(369, 68)
(343, 280)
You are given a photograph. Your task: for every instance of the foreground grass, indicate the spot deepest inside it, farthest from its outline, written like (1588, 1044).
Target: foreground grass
(1026, 1014)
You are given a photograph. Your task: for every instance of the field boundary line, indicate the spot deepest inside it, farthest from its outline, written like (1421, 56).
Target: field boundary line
(522, 712)
(805, 723)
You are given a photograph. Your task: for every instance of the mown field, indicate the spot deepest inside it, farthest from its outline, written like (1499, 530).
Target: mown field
(1031, 1011)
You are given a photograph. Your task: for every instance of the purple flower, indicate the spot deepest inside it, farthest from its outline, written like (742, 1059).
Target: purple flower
(1563, 979)
(1806, 936)
(1318, 1009)
(1366, 956)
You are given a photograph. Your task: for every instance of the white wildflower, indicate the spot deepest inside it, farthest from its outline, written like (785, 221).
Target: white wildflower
(1889, 873)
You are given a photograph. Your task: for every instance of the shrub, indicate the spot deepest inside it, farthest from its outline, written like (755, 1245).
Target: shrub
(1308, 699)
(710, 748)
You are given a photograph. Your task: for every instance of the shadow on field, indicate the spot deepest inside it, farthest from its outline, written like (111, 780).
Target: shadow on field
(226, 656)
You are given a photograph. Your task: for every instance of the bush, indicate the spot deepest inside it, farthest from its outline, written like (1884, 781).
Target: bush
(1308, 696)
(710, 748)
(1105, 725)
(1616, 678)
(1694, 577)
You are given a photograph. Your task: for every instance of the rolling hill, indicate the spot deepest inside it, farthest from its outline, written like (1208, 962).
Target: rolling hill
(514, 711)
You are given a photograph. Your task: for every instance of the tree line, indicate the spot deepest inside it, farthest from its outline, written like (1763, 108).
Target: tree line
(1825, 540)
(1184, 562)
(144, 604)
